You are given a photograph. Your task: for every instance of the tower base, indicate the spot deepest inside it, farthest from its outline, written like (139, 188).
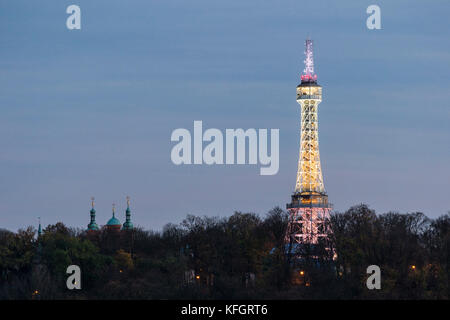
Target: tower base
(309, 214)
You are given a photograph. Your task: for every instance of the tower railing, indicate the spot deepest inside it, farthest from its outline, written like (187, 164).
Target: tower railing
(309, 205)
(308, 96)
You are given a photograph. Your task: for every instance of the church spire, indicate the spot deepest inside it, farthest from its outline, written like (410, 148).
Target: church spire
(128, 225)
(92, 225)
(37, 257)
(39, 228)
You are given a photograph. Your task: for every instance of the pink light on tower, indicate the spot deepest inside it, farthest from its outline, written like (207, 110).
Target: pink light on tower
(308, 72)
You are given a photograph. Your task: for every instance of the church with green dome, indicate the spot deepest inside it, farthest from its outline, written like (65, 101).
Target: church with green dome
(113, 223)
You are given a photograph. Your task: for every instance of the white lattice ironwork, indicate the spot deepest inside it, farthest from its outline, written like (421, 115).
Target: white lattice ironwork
(307, 225)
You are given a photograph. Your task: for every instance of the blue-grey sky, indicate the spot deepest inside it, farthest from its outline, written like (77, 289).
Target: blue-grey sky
(90, 112)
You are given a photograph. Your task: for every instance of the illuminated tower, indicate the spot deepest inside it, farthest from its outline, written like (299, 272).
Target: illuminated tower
(309, 207)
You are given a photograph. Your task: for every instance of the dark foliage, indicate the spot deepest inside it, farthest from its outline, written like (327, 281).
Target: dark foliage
(243, 256)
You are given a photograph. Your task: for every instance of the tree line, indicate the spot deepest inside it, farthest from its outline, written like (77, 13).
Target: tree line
(243, 256)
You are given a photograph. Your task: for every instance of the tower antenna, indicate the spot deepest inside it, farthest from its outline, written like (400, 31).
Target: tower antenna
(308, 74)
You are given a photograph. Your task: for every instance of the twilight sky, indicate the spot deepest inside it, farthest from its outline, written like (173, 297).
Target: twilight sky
(90, 112)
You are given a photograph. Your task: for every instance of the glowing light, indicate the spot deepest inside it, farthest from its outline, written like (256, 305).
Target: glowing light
(308, 72)
(413, 267)
(197, 277)
(302, 273)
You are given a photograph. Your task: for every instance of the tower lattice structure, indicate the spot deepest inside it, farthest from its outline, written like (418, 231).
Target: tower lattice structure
(309, 209)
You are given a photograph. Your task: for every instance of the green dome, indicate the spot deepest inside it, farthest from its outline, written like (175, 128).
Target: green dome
(128, 225)
(92, 226)
(113, 222)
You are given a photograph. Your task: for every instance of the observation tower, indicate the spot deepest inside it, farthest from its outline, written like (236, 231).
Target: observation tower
(309, 208)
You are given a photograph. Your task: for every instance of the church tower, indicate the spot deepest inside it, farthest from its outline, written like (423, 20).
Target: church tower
(92, 226)
(113, 223)
(128, 225)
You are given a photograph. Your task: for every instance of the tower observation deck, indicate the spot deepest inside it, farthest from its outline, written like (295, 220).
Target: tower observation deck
(309, 208)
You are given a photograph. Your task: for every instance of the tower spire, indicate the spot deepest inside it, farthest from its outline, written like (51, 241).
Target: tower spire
(308, 74)
(39, 228)
(128, 225)
(92, 226)
(37, 258)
